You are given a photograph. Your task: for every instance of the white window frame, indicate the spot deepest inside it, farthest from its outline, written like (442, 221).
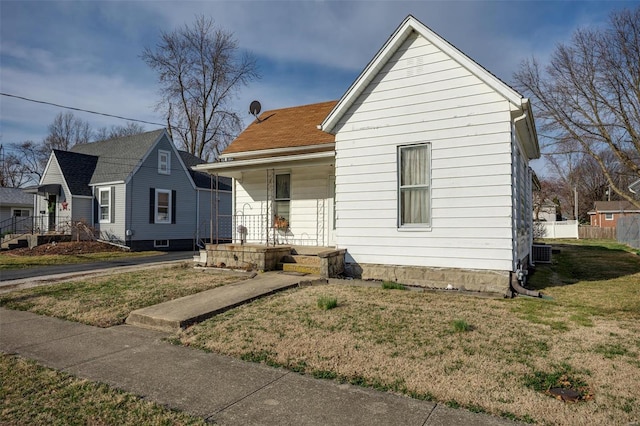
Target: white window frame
(157, 206)
(14, 210)
(164, 162)
(414, 226)
(160, 243)
(608, 216)
(108, 205)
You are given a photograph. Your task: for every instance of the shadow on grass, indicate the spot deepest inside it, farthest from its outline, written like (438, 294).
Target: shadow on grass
(572, 263)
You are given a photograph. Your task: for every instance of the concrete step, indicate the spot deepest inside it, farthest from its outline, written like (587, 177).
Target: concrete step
(309, 250)
(301, 259)
(300, 268)
(180, 313)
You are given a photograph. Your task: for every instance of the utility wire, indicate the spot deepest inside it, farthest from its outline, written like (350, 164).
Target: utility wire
(102, 113)
(80, 109)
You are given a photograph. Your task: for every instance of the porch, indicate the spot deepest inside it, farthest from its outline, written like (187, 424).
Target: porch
(324, 261)
(30, 231)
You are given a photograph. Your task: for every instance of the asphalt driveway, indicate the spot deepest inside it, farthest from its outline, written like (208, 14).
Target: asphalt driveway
(17, 274)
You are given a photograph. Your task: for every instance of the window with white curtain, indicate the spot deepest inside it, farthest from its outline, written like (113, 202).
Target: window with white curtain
(414, 181)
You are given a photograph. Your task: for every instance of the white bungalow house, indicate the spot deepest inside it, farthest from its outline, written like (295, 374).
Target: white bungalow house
(139, 191)
(419, 172)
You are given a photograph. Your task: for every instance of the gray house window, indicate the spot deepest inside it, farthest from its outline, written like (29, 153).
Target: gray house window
(414, 191)
(104, 200)
(162, 205)
(164, 162)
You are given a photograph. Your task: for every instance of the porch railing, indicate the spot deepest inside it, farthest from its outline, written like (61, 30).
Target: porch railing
(35, 225)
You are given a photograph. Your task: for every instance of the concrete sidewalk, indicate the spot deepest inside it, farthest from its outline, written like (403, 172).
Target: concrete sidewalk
(215, 387)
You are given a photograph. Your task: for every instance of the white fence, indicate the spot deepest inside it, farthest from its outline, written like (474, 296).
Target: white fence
(563, 229)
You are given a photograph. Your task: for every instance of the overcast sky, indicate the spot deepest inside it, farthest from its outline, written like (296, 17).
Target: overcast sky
(86, 54)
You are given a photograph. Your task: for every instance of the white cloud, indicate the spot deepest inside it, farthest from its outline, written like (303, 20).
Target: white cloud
(86, 54)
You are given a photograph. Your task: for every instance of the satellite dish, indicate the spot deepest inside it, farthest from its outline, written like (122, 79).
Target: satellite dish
(254, 109)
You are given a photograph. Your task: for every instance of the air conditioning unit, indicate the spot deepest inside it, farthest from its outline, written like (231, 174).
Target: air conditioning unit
(541, 253)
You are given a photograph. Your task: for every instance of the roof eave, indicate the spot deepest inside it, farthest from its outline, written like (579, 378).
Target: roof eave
(234, 169)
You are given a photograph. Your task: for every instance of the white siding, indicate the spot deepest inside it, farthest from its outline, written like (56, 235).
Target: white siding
(421, 95)
(54, 176)
(117, 228)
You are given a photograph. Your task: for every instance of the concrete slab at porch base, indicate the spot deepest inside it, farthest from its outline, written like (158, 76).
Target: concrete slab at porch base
(488, 281)
(179, 313)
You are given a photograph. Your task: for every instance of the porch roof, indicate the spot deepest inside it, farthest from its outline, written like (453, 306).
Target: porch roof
(235, 168)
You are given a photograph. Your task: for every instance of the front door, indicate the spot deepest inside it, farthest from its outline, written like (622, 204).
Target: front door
(331, 201)
(51, 210)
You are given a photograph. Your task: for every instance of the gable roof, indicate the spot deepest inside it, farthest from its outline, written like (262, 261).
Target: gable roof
(15, 197)
(202, 180)
(614, 207)
(284, 128)
(117, 158)
(399, 36)
(77, 170)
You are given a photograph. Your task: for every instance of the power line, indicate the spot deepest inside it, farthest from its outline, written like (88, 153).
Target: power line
(80, 109)
(221, 132)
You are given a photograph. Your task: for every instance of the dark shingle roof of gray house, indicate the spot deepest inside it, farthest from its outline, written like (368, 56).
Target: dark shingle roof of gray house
(15, 197)
(202, 180)
(77, 170)
(118, 157)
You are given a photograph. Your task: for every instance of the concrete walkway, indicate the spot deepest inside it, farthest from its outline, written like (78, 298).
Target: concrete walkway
(217, 388)
(175, 314)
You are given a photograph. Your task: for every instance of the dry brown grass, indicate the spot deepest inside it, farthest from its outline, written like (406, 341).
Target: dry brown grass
(107, 301)
(405, 341)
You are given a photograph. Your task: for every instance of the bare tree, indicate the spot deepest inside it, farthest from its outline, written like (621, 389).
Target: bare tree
(200, 69)
(33, 159)
(13, 173)
(588, 96)
(129, 129)
(67, 131)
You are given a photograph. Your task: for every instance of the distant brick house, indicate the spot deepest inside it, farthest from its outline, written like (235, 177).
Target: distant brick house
(606, 213)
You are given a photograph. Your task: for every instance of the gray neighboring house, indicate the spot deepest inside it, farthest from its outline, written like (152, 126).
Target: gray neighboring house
(139, 191)
(16, 207)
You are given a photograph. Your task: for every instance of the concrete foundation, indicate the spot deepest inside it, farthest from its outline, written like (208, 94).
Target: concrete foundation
(427, 277)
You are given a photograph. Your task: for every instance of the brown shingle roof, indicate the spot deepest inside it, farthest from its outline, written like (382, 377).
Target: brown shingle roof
(615, 206)
(285, 128)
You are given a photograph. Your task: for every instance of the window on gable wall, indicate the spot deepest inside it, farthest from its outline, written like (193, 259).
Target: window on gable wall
(414, 177)
(164, 162)
(162, 205)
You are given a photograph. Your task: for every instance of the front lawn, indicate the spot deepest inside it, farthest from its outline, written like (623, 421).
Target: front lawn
(34, 395)
(498, 356)
(107, 301)
(492, 355)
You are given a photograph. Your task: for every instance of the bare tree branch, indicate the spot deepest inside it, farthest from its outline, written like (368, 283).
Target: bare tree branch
(200, 71)
(588, 99)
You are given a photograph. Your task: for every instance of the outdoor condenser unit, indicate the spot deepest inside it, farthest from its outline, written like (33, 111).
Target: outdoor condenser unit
(541, 253)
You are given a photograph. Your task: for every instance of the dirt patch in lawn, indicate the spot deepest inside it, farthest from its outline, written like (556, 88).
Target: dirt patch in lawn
(73, 247)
